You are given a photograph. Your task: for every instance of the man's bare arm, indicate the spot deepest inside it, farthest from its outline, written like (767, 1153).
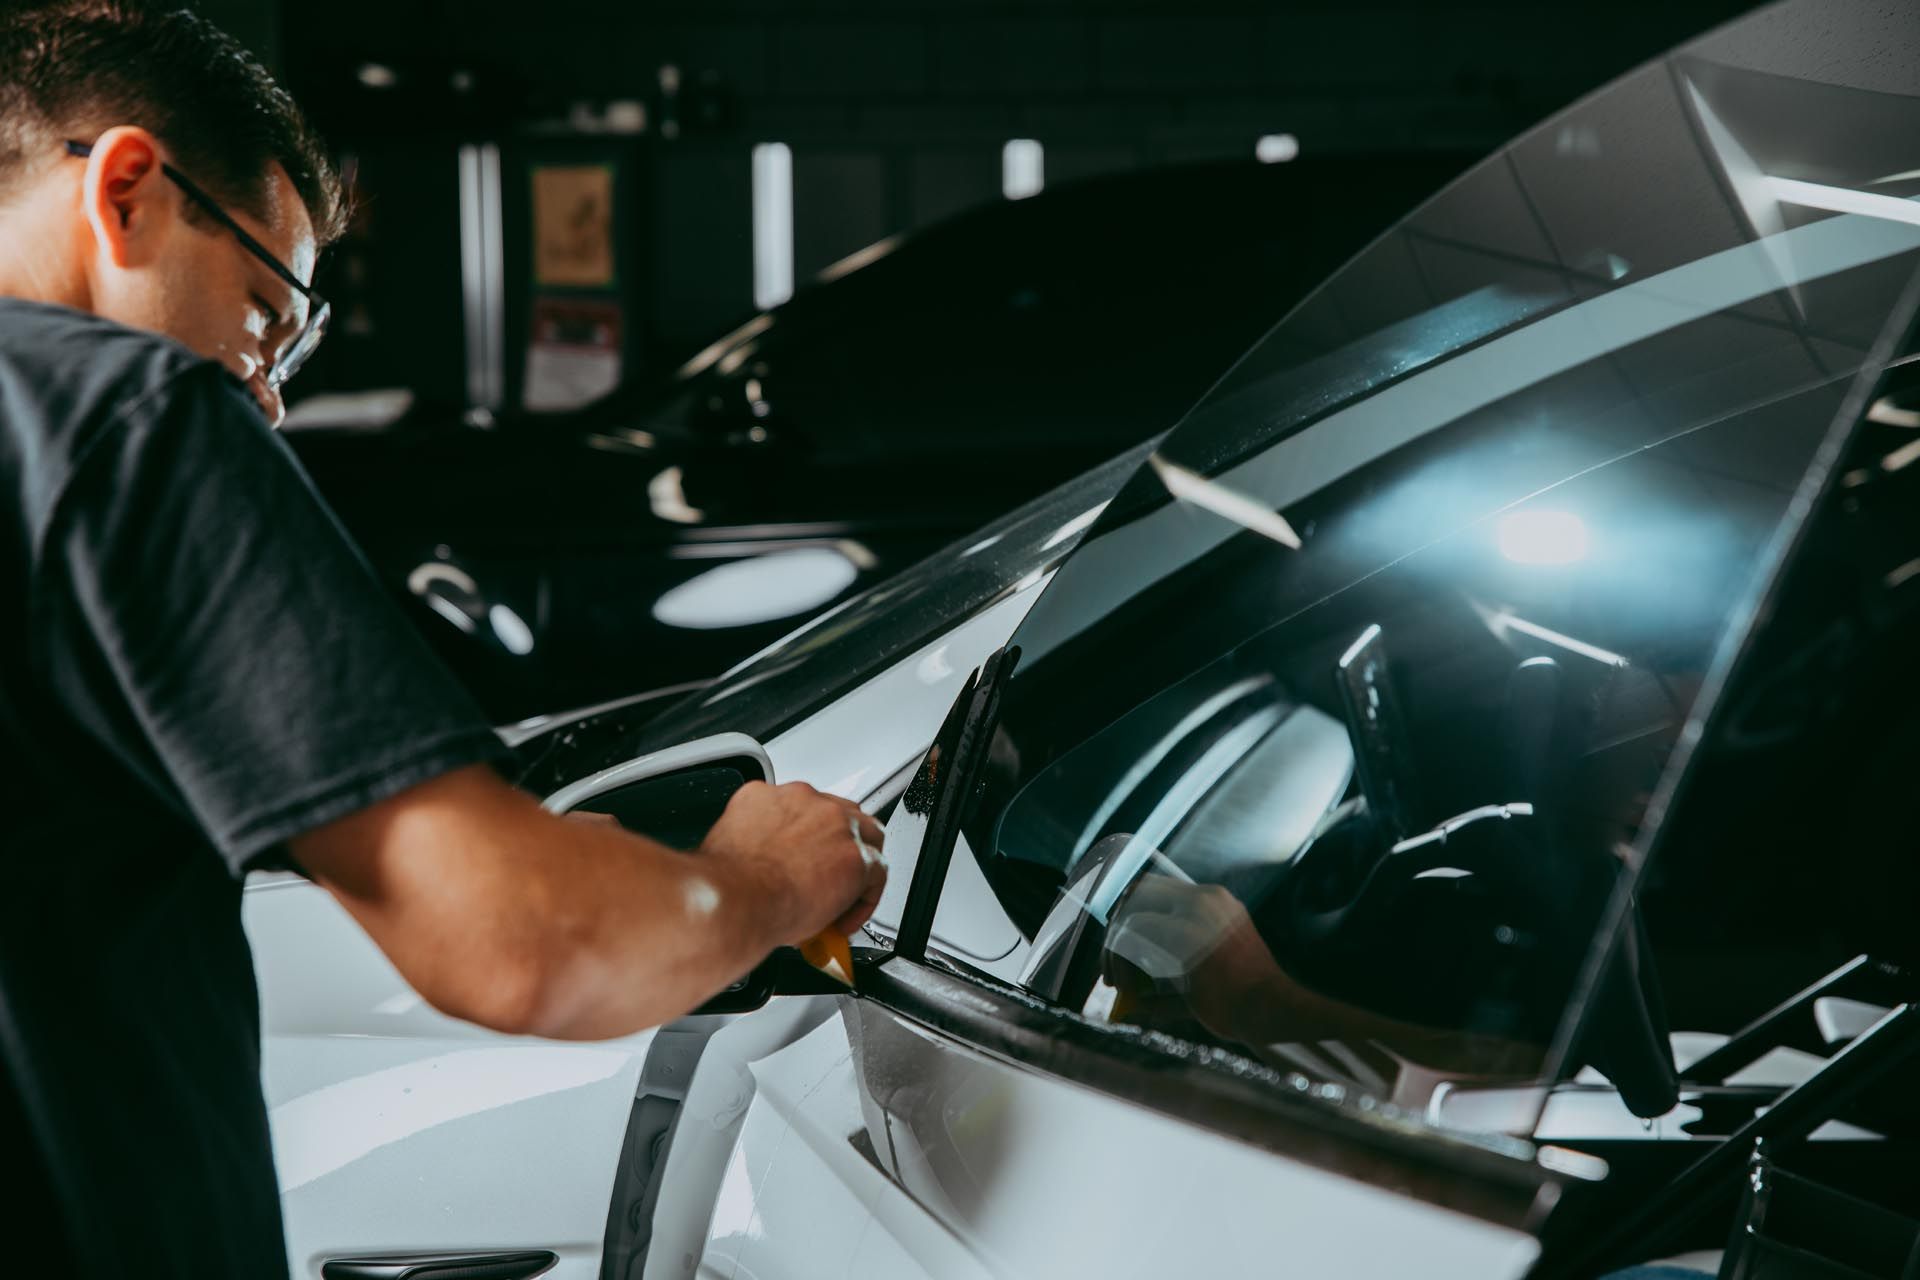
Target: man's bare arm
(505, 915)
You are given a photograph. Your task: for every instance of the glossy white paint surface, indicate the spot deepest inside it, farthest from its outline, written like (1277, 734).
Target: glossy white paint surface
(1840, 1020)
(861, 740)
(687, 755)
(799, 1200)
(711, 1117)
(1001, 1172)
(397, 1129)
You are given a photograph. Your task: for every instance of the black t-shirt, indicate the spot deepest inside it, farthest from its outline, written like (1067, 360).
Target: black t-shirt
(195, 666)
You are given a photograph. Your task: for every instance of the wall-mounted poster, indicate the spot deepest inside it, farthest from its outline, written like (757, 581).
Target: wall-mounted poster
(573, 356)
(573, 226)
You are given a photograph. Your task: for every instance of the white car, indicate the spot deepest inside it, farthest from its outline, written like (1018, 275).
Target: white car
(400, 1132)
(1374, 851)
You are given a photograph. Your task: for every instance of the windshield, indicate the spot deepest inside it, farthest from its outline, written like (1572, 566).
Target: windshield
(783, 684)
(1335, 739)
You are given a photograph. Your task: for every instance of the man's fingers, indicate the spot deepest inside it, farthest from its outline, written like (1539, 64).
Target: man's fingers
(1164, 947)
(869, 830)
(591, 818)
(805, 843)
(863, 909)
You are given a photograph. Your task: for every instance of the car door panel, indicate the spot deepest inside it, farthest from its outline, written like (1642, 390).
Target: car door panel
(702, 1151)
(399, 1130)
(1045, 1177)
(875, 1145)
(806, 1196)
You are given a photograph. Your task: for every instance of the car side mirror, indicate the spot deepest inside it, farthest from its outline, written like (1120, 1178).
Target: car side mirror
(675, 796)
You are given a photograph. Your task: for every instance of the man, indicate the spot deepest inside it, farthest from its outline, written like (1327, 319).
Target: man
(198, 678)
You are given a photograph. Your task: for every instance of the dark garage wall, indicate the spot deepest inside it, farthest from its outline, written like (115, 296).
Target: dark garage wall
(896, 112)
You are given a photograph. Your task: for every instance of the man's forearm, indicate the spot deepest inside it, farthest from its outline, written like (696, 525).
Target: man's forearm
(501, 914)
(658, 932)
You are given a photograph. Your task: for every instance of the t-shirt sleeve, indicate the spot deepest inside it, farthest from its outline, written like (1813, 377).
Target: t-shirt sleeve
(208, 619)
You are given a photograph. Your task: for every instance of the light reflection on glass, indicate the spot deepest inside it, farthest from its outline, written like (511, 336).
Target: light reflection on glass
(1819, 195)
(1074, 527)
(1228, 504)
(705, 359)
(511, 630)
(668, 498)
(1504, 622)
(1542, 537)
(758, 589)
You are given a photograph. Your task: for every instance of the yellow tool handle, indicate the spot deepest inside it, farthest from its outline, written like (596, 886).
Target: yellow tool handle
(828, 952)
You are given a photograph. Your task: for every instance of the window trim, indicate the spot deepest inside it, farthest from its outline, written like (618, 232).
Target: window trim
(1510, 1183)
(1507, 1181)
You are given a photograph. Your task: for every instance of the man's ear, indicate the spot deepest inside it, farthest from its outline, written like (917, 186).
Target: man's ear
(126, 196)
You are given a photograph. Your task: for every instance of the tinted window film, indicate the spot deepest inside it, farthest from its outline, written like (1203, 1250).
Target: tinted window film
(1337, 754)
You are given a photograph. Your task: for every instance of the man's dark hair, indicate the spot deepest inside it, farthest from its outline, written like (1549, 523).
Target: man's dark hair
(74, 68)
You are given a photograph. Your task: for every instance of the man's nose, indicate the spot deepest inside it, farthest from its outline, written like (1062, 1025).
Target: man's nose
(271, 402)
(264, 392)
(257, 368)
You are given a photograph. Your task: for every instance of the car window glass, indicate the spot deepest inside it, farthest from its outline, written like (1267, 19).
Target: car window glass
(1336, 755)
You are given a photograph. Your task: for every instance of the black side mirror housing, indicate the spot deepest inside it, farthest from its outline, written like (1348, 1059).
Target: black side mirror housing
(675, 796)
(784, 972)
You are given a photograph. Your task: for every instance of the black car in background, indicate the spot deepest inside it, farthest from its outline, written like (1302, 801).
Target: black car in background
(653, 539)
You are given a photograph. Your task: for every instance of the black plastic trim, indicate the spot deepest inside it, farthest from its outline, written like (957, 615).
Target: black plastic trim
(1889, 1044)
(522, 1265)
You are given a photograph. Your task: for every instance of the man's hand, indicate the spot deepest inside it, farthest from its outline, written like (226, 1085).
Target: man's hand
(799, 853)
(1195, 942)
(502, 914)
(1193, 947)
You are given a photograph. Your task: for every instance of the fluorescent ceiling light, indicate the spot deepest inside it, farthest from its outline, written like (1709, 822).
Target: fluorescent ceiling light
(772, 224)
(1022, 168)
(1276, 148)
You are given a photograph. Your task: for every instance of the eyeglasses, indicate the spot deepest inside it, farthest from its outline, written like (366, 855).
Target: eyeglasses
(319, 310)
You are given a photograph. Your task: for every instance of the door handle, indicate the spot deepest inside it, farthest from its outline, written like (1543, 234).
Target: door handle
(443, 1266)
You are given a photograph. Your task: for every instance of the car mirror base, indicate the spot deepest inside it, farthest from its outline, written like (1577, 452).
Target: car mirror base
(785, 972)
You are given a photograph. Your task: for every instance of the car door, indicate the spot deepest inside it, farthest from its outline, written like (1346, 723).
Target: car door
(879, 1146)
(942, 1125)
